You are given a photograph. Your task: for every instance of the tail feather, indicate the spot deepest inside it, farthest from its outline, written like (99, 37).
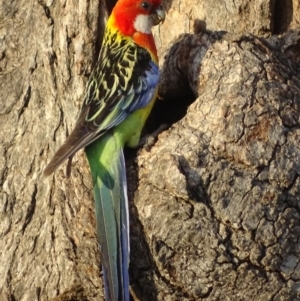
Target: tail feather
(81, 136)
(125, 229)
(110, 189)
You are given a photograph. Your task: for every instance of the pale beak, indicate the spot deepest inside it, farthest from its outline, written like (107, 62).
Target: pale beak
(159, 16)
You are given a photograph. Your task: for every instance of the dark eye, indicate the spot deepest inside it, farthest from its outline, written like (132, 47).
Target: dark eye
(145, 5)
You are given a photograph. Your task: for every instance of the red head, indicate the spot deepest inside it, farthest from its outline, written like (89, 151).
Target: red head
(137, 16)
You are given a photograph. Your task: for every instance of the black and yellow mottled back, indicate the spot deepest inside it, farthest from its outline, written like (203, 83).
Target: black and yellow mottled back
(123, 81)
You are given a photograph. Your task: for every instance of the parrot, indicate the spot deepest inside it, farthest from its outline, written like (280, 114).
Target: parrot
(118, 98)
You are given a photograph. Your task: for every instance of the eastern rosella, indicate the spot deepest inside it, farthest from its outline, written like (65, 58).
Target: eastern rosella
(118, 98)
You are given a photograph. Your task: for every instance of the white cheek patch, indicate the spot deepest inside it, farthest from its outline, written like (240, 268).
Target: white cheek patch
(143, 24)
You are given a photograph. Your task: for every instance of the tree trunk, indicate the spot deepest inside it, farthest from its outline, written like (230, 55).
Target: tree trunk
(47, 225)
(214, 203)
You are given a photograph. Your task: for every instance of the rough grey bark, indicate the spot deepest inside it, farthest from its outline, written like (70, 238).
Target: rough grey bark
(218, 194)
(259, 17)
(214, 204)
(47, 238)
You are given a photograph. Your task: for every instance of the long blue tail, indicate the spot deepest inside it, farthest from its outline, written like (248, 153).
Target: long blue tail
(107, 164)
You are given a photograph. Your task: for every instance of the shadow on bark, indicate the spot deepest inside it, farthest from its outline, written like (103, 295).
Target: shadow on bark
(282, 16)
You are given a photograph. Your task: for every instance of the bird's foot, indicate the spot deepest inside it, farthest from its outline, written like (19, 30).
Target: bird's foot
(149, 140)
